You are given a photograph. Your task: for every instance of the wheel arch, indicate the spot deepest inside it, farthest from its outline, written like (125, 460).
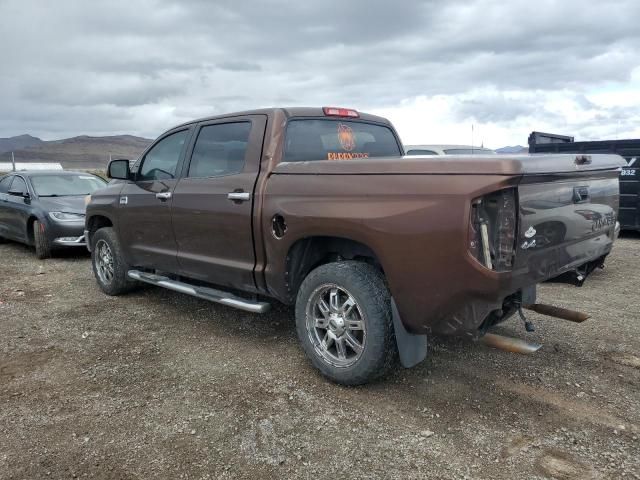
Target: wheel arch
(308, 253)
(30, 233)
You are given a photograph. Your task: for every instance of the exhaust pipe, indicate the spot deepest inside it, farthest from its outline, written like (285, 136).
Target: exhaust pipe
(509, 344)
(557, 312)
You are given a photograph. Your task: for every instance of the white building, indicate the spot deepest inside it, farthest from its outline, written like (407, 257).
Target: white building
(8, 166)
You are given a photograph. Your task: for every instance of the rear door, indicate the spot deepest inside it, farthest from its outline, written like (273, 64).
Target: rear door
(4, 205)
(144, 214)
(213, 202)
(18, 208)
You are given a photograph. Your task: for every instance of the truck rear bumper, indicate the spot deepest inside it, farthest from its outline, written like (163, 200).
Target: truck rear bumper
(487, 297)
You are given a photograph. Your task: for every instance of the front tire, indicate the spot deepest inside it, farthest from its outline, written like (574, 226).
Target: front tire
(343, 320)
(43, 248)
(108, 263)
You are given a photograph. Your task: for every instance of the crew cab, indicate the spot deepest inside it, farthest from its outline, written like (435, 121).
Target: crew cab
(319, 208)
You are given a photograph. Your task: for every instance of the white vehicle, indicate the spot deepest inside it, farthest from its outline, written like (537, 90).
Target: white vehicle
(446, 150)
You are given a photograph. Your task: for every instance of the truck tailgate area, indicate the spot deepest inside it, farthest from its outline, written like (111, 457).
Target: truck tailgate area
(565, 221)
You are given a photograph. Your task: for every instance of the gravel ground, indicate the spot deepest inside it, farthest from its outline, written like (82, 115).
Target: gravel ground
(160, 385)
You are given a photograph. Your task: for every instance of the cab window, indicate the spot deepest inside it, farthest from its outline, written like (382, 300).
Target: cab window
(161, 162)
(220, 149)
(322, 139)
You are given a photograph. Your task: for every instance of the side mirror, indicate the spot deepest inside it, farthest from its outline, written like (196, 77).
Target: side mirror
(119, 169)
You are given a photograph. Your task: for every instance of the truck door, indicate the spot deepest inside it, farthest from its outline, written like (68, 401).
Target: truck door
(213, 202)
(144, 213)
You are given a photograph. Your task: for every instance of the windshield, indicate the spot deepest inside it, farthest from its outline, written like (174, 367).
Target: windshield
(66, 185)
(468, 151)
(321, 139)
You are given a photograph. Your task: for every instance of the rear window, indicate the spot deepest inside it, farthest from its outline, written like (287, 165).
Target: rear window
(321, 139)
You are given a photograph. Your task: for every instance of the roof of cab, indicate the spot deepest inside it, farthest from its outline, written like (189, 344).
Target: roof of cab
(289, 112)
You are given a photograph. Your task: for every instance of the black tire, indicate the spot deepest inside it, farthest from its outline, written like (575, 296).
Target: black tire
(366, 285)
(43, 247)
(117, 282)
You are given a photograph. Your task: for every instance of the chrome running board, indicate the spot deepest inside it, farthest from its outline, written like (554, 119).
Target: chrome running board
(206, 293)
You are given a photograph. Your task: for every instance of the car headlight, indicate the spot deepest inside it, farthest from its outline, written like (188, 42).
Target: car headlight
(66, 217)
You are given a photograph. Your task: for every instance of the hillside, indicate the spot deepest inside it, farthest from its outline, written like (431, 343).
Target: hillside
(17, 143)
(81, 152)
(513, 149)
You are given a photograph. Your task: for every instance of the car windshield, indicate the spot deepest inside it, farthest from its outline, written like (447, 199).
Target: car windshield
(468, 151)
(66, 185)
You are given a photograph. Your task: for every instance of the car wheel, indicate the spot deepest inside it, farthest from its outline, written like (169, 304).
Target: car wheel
(43, 248)
(343, 320)
(108, 263)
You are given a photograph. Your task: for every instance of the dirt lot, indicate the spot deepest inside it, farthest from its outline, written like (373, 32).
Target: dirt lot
(160, 385)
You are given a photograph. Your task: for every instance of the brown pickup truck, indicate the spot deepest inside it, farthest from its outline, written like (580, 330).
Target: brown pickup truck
(318, 208)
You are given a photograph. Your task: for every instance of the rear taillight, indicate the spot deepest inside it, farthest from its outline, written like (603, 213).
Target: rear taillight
(492, 229)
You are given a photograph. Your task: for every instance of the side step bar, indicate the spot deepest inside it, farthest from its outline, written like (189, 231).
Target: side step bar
(205, 293)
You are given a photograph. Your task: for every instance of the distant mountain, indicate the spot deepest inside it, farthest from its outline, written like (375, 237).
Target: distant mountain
(514, 149)
(17, 143)
(82, 152)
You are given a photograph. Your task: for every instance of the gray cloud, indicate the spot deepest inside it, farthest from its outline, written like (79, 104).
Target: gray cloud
(72, 67)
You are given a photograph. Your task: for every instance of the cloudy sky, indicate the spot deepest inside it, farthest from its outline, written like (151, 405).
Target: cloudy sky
(433, 67)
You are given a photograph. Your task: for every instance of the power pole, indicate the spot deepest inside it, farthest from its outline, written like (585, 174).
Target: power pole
(13, 162)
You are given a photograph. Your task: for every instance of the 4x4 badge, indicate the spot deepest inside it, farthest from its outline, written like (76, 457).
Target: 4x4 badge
(530, 233)
(124, 200)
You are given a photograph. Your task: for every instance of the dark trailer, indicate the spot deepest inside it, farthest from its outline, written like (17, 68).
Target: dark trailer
(629, 176)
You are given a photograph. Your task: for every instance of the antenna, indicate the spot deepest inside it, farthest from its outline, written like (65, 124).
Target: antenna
(472, 139)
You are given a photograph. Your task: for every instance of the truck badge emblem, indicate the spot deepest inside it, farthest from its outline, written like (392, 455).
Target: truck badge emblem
(124, 200)
(346, 137)
(530, 233)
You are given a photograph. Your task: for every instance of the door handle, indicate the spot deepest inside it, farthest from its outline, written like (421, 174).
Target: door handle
(239, 196)
(163, 196)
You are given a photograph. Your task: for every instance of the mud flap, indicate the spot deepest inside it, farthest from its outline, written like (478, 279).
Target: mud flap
(412, 348)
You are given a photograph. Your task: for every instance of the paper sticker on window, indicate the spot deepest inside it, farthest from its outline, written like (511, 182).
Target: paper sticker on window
(346, 155)
(346, 137)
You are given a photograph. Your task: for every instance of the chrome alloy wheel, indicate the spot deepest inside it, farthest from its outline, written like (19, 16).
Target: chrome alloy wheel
(104, 262)
(336, 325)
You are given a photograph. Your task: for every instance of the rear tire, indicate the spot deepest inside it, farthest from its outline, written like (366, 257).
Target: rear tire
(43, 248)
(344, 322)
(108, 263)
